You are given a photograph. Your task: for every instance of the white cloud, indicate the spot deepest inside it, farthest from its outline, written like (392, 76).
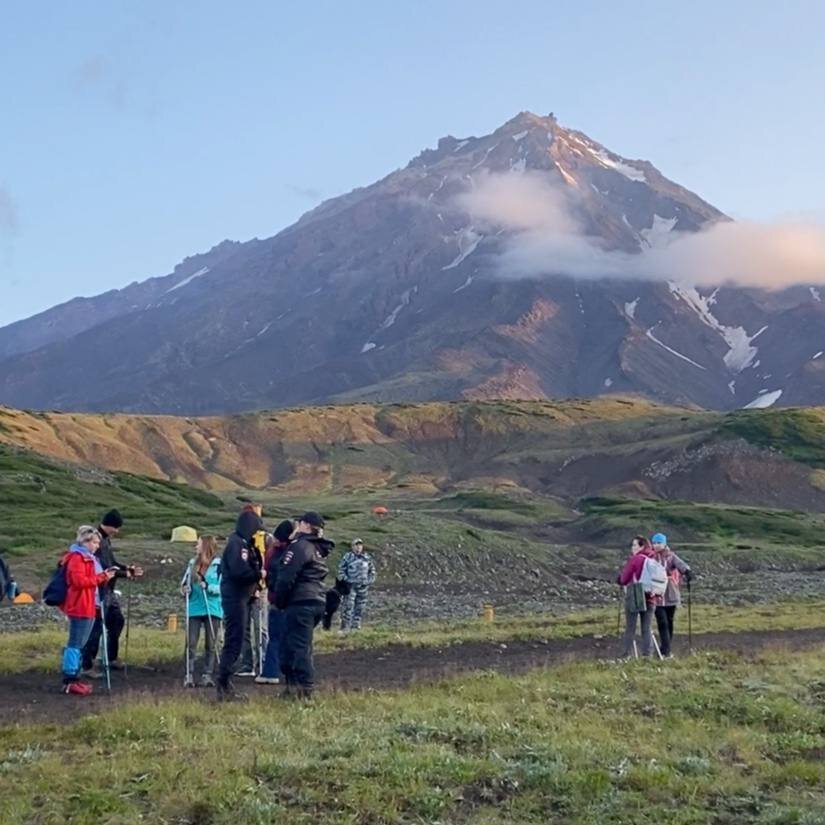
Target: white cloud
(546, 239)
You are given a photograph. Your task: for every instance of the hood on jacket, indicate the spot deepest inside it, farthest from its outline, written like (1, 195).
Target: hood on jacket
(248, 524)
(324, 546)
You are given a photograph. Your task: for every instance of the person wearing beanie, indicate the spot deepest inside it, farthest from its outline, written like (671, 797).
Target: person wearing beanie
(109, 527)
(301, 594)
(357, 569)
(276, 544)
(676, 571)
(240, 575)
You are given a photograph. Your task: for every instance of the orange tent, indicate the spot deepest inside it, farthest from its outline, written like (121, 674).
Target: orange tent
(23, 598)
(380, 510)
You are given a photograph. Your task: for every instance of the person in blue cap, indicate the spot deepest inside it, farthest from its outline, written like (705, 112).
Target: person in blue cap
(676, 571)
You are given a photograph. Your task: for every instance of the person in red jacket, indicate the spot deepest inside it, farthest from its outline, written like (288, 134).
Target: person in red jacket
(84, 575)
(641, 550)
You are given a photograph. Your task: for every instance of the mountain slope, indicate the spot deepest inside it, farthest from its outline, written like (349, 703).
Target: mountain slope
(566, 450)
(396, 292)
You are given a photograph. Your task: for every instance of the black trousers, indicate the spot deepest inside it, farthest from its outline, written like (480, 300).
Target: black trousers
(296, 644)
(664, 621)
(114, 627)
(235, 619)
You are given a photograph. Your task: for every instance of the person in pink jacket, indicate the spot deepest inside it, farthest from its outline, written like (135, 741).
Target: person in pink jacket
(631, 573)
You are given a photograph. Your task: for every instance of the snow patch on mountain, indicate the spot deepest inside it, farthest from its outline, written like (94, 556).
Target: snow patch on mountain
(655, 340)
(486, 155)
(764, 400)
(521, 135)
(368, 346)
(464, 285)
(630, 172)
(818, 355)
(740, 354)
(815, 293)
(658, 235)
(468, 240)
(393, 316)
(188, 280)
(568, 178)
(630, 308)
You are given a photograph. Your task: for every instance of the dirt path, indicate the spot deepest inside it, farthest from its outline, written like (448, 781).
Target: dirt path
(33, 697)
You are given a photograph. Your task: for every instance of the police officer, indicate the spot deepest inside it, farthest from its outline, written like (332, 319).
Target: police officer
(301, 594)
(240, 576)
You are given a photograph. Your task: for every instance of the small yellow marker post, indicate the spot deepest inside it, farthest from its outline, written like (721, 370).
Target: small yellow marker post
(172, 623)
(489, 614)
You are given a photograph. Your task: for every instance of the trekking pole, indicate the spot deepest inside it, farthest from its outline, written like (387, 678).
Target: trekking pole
(690, 622)
(210, 626)
(104, 636)
(263, 636)
(188, 585)
(128, 625)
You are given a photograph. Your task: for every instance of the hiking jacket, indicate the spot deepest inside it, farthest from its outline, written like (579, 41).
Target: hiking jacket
(271, 561)
(204, 601)
(84, 575)
(357, 569)
(240, 563)
(632, 572)
(302, 571)
(106, 557)
(676, 568)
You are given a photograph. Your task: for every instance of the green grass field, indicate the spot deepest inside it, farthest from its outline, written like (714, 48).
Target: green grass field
(708, 739)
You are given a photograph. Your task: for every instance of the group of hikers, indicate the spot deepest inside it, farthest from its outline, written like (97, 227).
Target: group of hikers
(265, 594)
(224, 598)
(651, 578)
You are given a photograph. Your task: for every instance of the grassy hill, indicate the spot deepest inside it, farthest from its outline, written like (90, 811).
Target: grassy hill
(528, 504)
(568, 449)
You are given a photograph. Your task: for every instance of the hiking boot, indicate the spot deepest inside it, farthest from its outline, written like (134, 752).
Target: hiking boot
(94, 673)
(188, 682)
(207, 681)
(244, 674)
(267, 680)
(227, 693)
(116, 664)
(77, 689)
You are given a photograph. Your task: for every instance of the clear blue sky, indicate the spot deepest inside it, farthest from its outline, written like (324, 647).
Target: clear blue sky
(134, 134)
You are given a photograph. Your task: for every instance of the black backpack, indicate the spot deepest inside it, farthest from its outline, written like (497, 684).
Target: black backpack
(5, 580)
(57, 589)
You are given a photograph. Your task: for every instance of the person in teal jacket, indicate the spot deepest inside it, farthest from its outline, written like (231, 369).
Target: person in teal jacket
(201, 587)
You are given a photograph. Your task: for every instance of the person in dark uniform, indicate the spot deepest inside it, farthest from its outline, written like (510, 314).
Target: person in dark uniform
(110, 526)
(240, 576)
(301, 594)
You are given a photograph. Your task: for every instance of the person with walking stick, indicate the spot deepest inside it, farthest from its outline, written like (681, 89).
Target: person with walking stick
(82, 601)
(672, 599)
(110, 526)
(201, 587)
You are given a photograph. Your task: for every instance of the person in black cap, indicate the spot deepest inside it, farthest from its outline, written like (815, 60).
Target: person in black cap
(241, 574)
(300, 593)
(109, 527)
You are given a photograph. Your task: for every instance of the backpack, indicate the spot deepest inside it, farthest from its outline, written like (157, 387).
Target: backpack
(55, 592)
(5, 581)
(653, 578)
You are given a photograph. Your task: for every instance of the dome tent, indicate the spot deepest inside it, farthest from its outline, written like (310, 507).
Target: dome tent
(184, 533)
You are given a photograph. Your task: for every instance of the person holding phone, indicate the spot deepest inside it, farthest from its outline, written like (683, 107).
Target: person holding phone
(84, 578)
(109, 527)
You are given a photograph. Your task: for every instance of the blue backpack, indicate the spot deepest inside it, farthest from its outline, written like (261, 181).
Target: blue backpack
(57, 589)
